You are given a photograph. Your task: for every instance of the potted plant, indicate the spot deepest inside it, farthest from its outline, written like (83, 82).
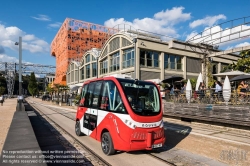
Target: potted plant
(76, 100)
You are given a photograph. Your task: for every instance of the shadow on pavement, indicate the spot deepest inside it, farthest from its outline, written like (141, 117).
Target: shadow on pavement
(57, 150)
(174, 134)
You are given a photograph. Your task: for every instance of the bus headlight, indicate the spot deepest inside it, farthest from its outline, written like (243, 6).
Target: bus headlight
(130, 124)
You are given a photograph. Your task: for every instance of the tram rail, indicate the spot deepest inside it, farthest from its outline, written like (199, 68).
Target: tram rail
(67, 115)
(161, 159)
(39, 112)
(157, 154)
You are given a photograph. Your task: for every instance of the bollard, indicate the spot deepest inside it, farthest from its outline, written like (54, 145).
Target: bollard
(20, 106)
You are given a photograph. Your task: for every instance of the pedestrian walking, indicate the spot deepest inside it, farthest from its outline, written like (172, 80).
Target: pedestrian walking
(1, 100)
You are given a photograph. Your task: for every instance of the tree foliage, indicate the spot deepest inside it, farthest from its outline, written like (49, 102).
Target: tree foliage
(193, 82)
(210, 76)
(243, 64)
(50, 89)
(32, 86)
(3, 85)
(2, 90)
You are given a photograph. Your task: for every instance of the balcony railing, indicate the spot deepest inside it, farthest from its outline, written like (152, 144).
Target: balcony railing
(209, 96)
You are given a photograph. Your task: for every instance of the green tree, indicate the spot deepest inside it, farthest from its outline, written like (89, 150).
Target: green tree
(3, 85)
(2, 90)
(210, 76)
(32, 87)
(25, 83)
(193, 82)
(243, 64)
(50, 89)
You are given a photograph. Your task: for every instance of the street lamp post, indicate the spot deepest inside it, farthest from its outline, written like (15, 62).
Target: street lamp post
(135, 59)
(97, 67)
(20, 71)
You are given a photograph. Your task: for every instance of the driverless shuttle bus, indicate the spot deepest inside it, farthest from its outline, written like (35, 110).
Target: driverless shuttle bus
(123, 114)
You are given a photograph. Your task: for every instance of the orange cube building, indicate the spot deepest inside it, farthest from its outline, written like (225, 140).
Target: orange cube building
(73, 39)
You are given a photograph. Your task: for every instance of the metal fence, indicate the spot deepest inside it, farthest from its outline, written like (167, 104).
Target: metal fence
(209, 96)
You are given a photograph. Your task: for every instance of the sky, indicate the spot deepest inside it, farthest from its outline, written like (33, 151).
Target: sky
(38, 22)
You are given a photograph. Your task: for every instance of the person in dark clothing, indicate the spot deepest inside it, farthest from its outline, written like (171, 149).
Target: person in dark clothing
(201, 90)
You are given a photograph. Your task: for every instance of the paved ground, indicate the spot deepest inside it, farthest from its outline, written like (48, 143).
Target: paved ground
(212, 146)
(6, 115)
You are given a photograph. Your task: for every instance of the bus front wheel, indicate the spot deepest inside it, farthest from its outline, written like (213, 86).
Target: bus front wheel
(107, 144)
(78, 129)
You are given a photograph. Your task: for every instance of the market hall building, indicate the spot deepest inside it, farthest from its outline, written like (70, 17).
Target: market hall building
(145, 56)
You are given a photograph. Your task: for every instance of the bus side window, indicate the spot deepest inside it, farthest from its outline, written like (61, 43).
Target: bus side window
(89, 95)
(96, 94)
(83, 95)
(104, 97)
(111, 99)
(104, 103)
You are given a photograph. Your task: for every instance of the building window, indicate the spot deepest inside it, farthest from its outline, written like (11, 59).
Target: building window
(115, 62)
(178, 62)
(104, 66)
(82, 73)
(142, 57)
(94, 72)
(128, 58)
(87, 58)
(149, 58)
(172, 62)
(166, 57)
(87, 71)
(156, 59)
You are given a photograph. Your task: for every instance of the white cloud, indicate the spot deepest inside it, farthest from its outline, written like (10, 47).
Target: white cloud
(172, 16)
(42, 17)
(162, 23)
(6, 58)
(233, 45)
(28, 37)
(243, 44)
(10, 35)
(191, 35)
(9, 32)
(207, 21)
(55, 25)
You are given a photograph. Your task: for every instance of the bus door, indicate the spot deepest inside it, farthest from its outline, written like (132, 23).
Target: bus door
(111, 102)
(91, 115)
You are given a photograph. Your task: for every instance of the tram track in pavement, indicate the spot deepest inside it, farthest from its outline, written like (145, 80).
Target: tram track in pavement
(158, 154)
(161, 159)
(98, 160)
(67, 115)
(163, 155)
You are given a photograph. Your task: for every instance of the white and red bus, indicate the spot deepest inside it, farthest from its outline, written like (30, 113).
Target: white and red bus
(123, 114)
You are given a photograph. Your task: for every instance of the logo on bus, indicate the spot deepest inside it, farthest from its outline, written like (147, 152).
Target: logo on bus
(149, 125)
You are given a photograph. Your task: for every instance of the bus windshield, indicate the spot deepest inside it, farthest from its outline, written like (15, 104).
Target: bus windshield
(143, 97)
